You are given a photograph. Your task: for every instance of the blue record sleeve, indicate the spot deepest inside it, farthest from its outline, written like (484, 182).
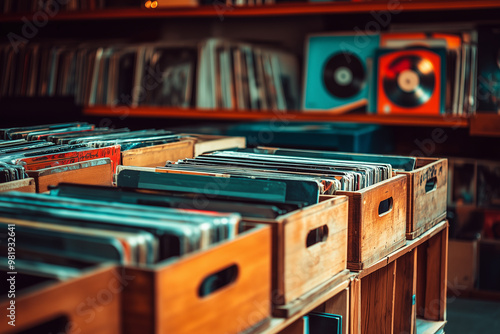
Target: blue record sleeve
(349, 49)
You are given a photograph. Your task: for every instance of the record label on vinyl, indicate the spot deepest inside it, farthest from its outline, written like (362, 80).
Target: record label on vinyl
(344, 75)
(409, 81)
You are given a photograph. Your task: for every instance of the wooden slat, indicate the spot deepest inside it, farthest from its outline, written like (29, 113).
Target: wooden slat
(355, 306)
(444, 273)
(154, 156)
(421, 279)
(193, 113)
(377, 301)
(295, 328)
(278, 324)
(240, 305)
(373, 236)
(90, 302)
(404, 321)
(426, 209)
(307, 267)
(294, 307)
(410, 245)
(340, 305)
(433, 281)
(25, 185)
(297, 268)
(94, 172)
(210, 143)
(266, 10)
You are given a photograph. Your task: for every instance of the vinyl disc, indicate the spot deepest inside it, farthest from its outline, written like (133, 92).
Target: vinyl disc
(409, 81)
(344, 75)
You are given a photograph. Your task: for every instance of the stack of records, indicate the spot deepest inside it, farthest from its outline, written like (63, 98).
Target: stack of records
(60, 232)
(45, 146)
(287, 175)
(246, 77)
(212, 73)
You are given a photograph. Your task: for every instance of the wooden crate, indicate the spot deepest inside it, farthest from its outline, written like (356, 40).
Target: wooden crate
(210, 143)
(24, 185)
(373, 235)
(188, 147)
(94, 172)
(158, 155)
(298, 268)
(405, 291)
(87, 304)
(165, 298)
(427, 192)
(426, 187)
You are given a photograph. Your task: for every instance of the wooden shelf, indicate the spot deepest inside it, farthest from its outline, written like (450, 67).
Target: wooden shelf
(410, 245)
(485, 125)
(265, 10)
(161, 112)
(278, 324)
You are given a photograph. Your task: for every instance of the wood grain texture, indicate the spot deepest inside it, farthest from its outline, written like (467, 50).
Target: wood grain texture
(406, 279)
(426, 208)
(296, 268)
(421, 278)
(298, 327)
(240, 305)
(139, 301)
(319, 116)
(90, 302)
(307, 267)
(93, 172)
(25, 185)
(210, 143)
(444, 273)
(158, 155)
(372, 236)
(355, 306)
(278, 324)
(377, 301)
(432, 262)
(297, 305)
(340, 305)
(433, 300)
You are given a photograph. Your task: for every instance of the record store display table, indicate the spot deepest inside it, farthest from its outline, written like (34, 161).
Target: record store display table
(168, 239)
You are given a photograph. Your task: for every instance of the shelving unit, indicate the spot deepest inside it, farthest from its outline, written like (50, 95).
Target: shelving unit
(162, 112)
(267, 10)
(479, 125)
(405, 273)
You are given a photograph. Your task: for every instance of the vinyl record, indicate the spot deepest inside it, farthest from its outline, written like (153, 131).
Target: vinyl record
(409, 81)
(344, 75)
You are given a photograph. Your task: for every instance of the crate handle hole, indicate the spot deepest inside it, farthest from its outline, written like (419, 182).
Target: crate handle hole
(431, 184)
(218, 280)
(317, 235)
(385, 206)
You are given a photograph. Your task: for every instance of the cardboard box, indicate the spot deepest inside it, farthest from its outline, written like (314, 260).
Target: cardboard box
(462, 264)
